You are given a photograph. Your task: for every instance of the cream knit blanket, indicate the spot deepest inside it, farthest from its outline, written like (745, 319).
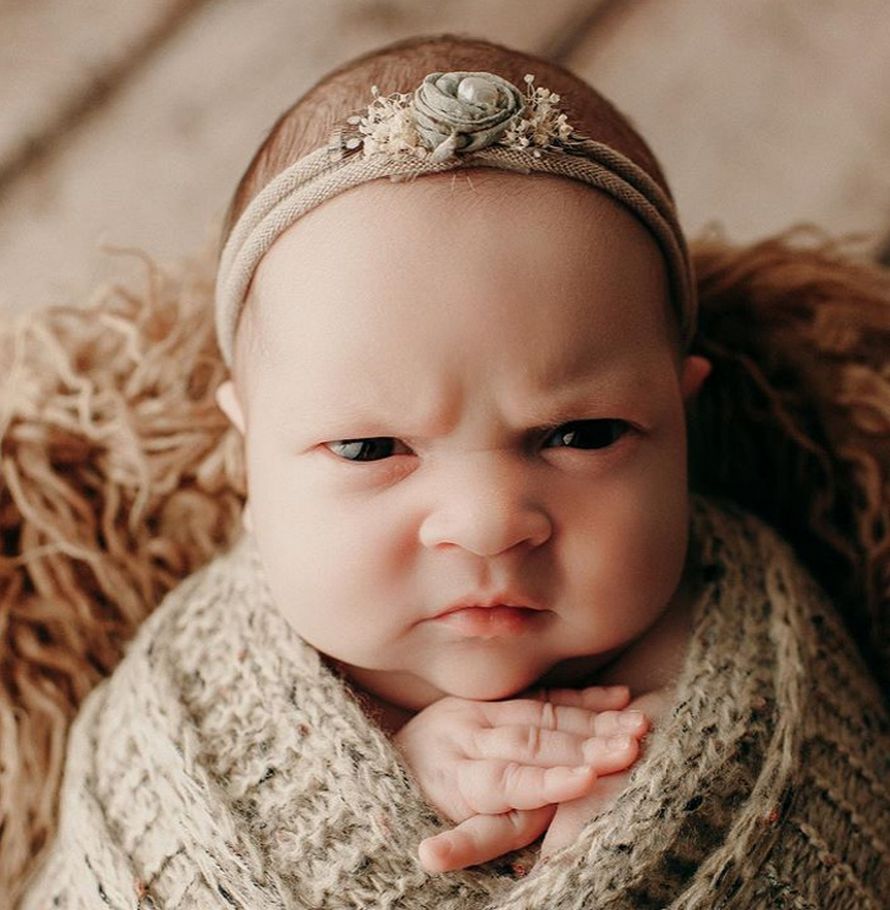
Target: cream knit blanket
(224, 765)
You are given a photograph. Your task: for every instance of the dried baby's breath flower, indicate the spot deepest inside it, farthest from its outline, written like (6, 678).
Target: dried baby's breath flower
(542, 125)
(388, 127)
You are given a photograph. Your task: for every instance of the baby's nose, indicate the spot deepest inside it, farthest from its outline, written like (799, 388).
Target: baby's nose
(487, 507)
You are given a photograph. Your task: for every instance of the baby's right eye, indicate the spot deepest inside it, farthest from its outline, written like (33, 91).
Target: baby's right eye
(354, 447)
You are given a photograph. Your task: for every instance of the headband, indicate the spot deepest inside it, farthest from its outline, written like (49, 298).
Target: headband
(452, 120)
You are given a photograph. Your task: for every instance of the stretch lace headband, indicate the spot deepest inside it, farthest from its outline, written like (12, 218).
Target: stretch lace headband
(452, 120)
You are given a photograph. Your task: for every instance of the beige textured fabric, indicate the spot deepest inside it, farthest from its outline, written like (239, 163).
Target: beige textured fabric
(223, 765)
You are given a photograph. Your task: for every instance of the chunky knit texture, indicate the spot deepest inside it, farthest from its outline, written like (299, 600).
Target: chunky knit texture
(224, 765)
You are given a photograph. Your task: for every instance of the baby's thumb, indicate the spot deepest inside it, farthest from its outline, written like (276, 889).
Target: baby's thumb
(483, 837)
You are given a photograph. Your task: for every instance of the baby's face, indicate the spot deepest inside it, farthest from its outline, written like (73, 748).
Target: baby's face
(456, 392)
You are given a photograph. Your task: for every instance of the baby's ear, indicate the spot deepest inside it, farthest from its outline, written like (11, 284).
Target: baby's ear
(695, 371)
(227, 399)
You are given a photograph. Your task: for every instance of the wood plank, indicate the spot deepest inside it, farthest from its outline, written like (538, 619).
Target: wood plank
(155, 167)
(762, 113)
(58, 58)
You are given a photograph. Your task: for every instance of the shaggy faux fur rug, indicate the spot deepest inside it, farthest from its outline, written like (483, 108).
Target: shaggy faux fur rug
(120, 476)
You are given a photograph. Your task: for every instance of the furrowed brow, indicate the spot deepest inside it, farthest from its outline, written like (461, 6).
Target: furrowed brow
(616, 393)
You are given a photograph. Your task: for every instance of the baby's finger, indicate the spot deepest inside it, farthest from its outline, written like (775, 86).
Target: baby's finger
(594, 698)
(530, 712)
(549, 748)
(483, 837)
(573, 816)
(493, 787)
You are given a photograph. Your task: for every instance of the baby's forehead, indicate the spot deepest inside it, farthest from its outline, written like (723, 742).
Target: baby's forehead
(372, 298)
(472, 233)
(380, 222)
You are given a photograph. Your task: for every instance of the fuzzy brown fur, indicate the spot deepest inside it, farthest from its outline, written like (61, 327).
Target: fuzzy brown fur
(120, 475)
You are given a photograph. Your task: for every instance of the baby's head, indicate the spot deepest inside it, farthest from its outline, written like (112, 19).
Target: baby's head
(465, 386)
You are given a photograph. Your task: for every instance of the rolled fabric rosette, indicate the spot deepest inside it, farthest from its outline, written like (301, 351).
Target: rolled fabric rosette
(464, 111)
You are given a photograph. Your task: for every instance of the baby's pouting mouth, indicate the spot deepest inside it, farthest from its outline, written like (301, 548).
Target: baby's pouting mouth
(487, 622)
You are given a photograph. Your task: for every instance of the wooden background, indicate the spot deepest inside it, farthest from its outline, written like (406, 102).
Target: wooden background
(129, 122)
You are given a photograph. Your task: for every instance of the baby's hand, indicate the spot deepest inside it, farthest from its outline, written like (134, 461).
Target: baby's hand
(499, 768)
(572, 816)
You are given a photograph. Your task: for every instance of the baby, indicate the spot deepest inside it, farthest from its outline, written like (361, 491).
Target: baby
(465, 390)
(473, 562)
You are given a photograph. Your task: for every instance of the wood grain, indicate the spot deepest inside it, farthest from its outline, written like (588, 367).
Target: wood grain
(59, 60)
(155, 166)
(762, 113)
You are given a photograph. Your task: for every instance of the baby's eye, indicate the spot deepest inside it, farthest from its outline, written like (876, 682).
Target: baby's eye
(591, 434)
(587, 434)
(353, 448)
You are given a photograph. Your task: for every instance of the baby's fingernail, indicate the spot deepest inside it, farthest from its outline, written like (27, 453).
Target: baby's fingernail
(580, 770)
(617, 743)
(630, 720)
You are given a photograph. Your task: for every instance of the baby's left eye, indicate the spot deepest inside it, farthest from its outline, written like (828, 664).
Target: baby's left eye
(591, 434)
(353, 447)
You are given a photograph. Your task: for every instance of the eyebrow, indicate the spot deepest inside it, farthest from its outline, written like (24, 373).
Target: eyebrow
(614, 387)
(601, 390)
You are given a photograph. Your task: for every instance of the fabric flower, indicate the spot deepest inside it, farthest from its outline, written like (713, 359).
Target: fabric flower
(463, 111)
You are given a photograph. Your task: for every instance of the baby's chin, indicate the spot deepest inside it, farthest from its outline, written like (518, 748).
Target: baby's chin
(499, 683)
(490, 690)
(487, 683)
(476, 679)
(414, 692)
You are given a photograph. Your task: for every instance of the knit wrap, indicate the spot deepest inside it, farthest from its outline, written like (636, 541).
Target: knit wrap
(223, 764)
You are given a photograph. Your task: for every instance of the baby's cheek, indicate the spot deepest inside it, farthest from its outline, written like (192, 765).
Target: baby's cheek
(648, 549)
